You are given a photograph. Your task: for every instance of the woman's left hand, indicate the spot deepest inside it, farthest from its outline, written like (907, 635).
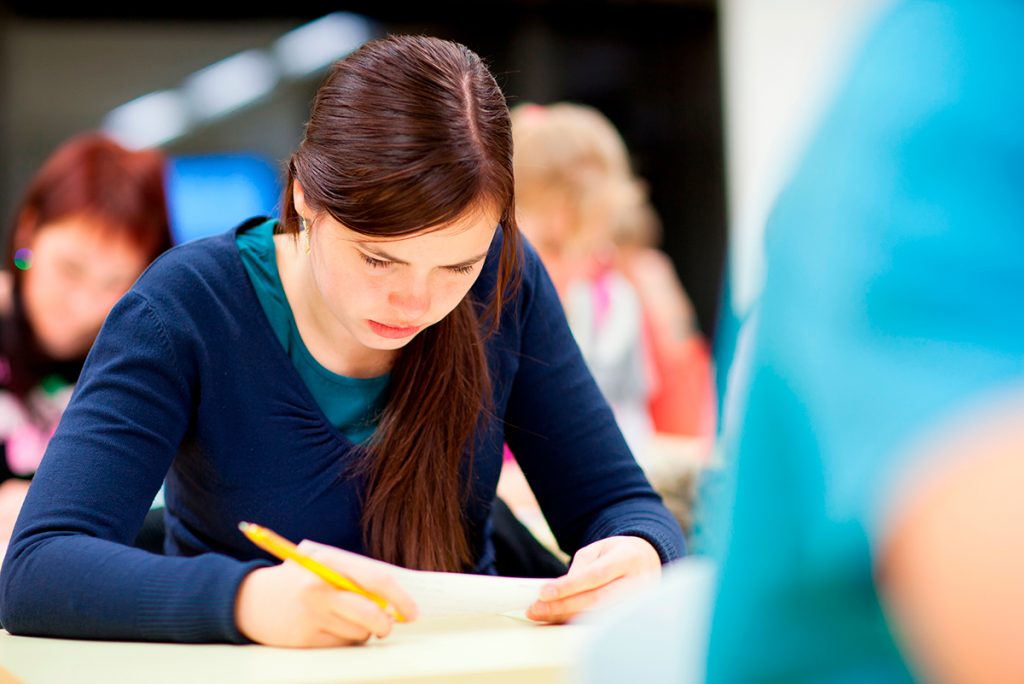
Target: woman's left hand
(598, 572)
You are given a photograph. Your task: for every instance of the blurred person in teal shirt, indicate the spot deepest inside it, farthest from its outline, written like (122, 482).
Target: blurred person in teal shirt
(875, 526)
(869, 526)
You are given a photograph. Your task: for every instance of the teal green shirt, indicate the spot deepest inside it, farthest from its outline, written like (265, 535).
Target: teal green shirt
(891, 303)
(350, 404)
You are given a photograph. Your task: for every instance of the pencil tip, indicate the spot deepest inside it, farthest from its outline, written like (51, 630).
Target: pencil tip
(243, 525)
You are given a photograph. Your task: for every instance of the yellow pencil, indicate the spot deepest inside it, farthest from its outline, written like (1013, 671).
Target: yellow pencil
(273, 543)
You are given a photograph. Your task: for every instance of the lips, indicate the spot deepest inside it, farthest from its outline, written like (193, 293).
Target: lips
(393, 332)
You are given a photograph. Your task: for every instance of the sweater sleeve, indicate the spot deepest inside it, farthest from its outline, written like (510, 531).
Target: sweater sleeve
(566, 439)
(70, 570)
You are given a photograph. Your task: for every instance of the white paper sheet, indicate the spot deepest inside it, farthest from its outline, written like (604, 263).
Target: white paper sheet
(439, 594)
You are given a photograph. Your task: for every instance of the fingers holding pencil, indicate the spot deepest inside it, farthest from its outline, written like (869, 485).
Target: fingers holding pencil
(372, 575)
(287, 605)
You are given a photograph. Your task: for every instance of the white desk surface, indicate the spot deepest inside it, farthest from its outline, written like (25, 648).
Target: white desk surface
(496, 649)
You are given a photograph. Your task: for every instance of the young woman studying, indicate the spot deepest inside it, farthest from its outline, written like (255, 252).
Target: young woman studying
(346, 374)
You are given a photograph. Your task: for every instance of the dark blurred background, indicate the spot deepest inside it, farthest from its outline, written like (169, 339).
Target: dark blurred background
(652, 67)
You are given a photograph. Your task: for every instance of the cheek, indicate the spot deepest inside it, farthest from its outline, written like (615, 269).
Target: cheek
(350, 292)
(40, 290)
(449, 294)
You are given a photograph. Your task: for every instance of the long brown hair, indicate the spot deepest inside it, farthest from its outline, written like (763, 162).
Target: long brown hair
(92, 176)
(406, 134)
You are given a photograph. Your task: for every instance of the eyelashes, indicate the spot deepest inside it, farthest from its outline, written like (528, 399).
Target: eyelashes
(375, 263)
(380, 263)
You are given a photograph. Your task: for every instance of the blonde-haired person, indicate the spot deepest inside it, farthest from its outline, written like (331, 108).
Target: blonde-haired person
(588, 215)
(590, 218)
(569, 164)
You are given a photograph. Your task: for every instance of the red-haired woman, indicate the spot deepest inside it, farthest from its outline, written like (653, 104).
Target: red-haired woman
(348, 374)
(93, 217)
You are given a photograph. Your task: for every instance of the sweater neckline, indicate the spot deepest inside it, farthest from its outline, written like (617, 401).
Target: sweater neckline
(291, 373)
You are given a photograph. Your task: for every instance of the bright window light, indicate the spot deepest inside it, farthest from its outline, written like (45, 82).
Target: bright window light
(238, 81)
(148, 121)
(231, 84)
(314, 46)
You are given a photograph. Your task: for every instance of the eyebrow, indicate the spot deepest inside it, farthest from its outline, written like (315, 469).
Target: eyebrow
(368, 246)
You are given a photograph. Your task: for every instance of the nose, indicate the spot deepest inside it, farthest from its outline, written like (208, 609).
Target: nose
(411, 300)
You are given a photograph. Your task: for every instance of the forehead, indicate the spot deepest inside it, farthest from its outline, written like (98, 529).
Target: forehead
(80, 229)
(471, 231)
(88, 239)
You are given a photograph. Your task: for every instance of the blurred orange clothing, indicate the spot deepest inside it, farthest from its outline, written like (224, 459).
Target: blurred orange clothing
(683, 398)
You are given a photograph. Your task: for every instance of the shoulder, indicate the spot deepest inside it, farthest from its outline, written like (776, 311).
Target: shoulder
(196, 280)
(530, 270)
(212, 260)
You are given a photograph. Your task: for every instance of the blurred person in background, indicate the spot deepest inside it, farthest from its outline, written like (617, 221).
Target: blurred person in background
(91, 219)
(875, 527)
(569, 166)
(590, 218)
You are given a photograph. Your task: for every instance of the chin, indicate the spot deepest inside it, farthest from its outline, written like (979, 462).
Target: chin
(384, 344)
(65, 352)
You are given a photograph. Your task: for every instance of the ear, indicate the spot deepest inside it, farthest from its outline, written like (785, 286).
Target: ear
(25, 228)
(299, 199)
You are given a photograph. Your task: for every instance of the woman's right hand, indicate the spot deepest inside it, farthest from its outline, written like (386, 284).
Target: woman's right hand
(287, 605)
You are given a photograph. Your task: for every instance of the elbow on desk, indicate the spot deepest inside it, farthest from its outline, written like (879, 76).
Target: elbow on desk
(12, 606)
(21, 611)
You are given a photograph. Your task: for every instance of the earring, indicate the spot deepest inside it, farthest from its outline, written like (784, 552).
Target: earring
(23, 258)
(305, 233)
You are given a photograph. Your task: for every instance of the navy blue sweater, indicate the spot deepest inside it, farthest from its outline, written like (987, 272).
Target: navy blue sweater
(187, 381)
